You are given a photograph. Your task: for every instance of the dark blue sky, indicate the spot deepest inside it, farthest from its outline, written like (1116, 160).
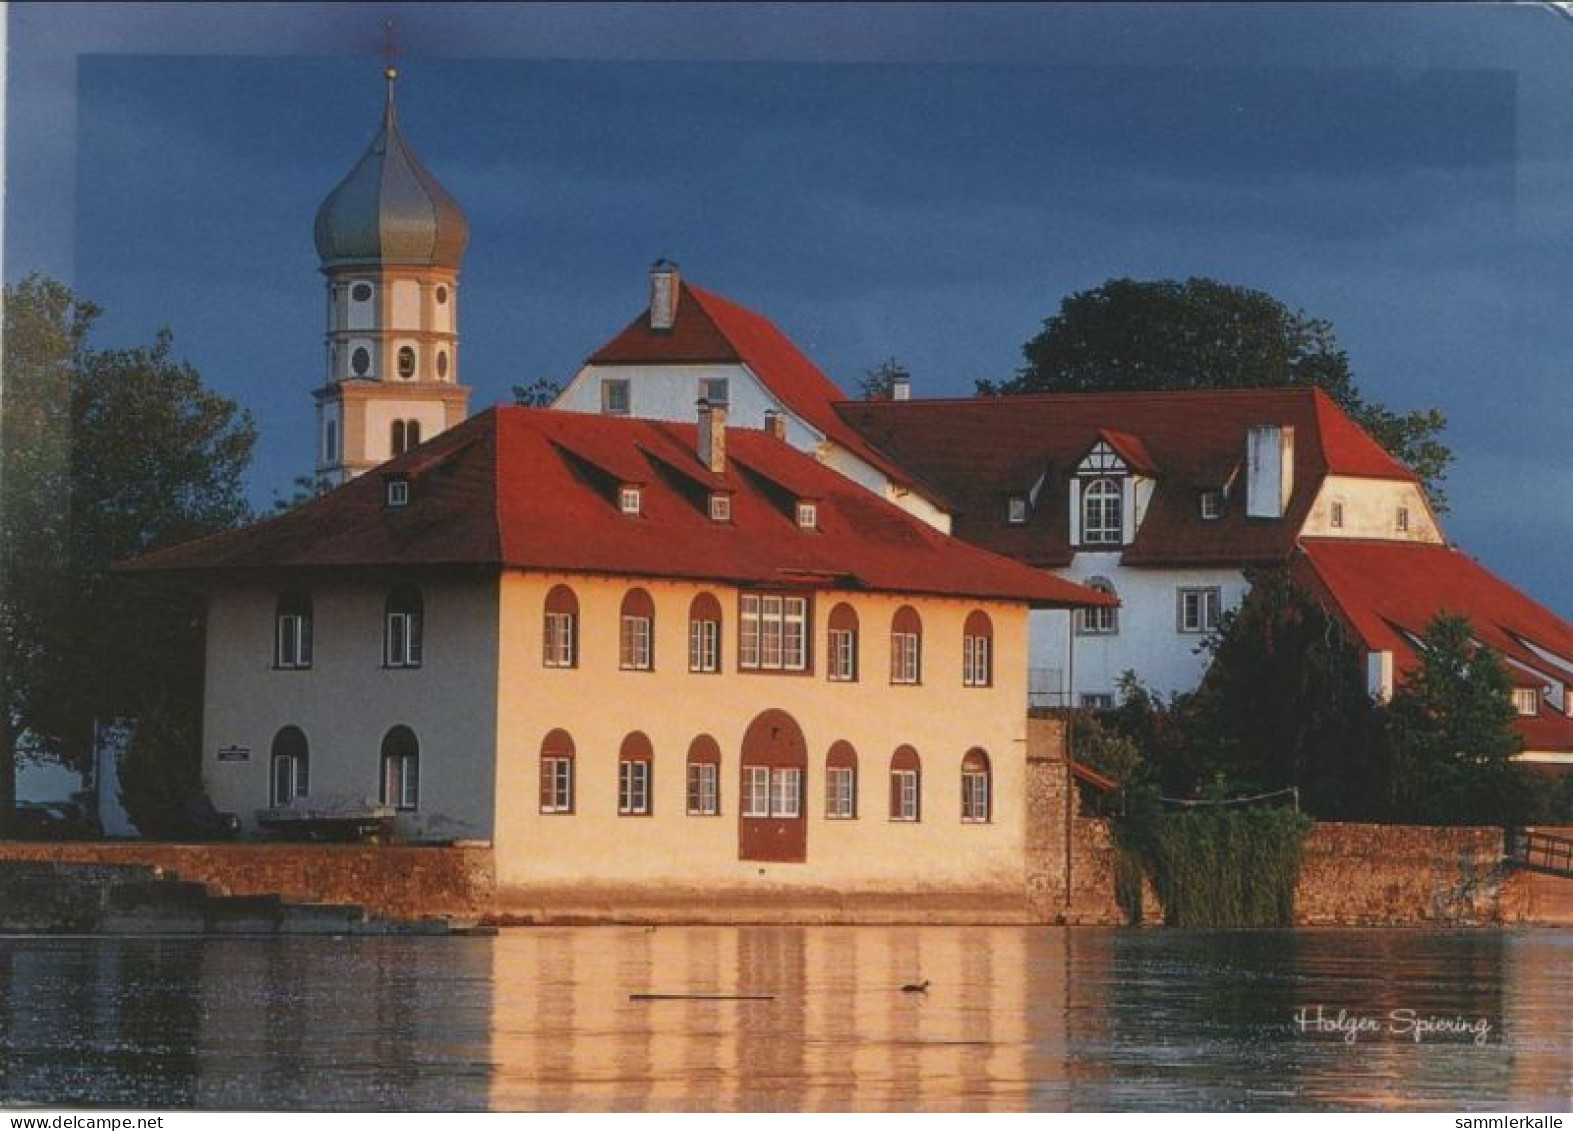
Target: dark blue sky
(919, 181)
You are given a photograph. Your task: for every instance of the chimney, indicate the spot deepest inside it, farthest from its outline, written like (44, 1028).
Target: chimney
(900, 385)
(1269, 470)
(1379, 676)
(712, 436)
(775, 423)
(665, 284)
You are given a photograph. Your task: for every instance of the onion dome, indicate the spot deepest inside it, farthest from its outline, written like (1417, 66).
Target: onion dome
(390, 210)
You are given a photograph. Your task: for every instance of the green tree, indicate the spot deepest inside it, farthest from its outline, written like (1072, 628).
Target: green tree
(1128, 335)
(879, 383)
(106, 454)
(1451, 737)
(537, 394)
(1284, 703)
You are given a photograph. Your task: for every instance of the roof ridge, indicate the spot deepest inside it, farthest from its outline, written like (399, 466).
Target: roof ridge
(1111, 394)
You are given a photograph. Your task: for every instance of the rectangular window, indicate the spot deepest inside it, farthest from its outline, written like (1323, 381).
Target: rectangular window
(630, 500)
(704, 646)
(634, 650)
(1336, 518)
(1402, 518)
(1198, 609)
(1016, 510)
(903, 795)
(294, 641)
(756, 791)
(404, 640)
(808, 516)
(977, 661)
(720, 508)
(975, 797)
(703, 791)
(843, 659)
(714, 389)
(401, 786)
(614, 396)
(1212, 504)
(1526, 701)
(786, 793)
(559, 644)
(841, 793)
(1097, 701)
(1096, 622)
(556, 785)
(633, 789)
(905, 657)
(774, 633)
(398, 492)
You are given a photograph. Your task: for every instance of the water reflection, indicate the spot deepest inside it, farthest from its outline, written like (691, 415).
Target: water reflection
(1015, 1019)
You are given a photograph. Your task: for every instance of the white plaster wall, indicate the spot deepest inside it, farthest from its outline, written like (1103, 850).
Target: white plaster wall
(1370, 507)
(1148, 641)
(347, 700)
(838, 459)
(380, 416)
(406, 304)
(444, 313)
(360, 315)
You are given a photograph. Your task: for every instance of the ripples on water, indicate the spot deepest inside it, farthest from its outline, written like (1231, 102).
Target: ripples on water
(1015, 1018)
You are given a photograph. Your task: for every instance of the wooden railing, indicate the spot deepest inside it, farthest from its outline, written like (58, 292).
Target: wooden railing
(1544, 852)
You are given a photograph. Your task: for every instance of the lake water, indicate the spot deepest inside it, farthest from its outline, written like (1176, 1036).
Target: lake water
(1014, 1019)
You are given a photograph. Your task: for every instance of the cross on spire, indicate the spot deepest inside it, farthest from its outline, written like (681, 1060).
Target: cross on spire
(390, 49)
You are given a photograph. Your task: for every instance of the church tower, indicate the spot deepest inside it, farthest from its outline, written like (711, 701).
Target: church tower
(391, 241)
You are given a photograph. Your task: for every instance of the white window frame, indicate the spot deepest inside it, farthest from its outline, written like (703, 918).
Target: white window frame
(1526, 701)
(613, 391)
(841, 793)
(298, 766)
(559, 644)
(786, 792)
(773, 632)
(906, 658)
(708, 386)
(976, 803)
(292, 641)
(756, 791)
(401, 781)
(720, 507)
(977, 661)
(1103, 511)
(557, 773)
(404, 643)
(398, 492)
(1016, 510)
(1199, 608)
(808, 516)
(704, 789)
(1097, 700)
(630, 500)
(633, 652)
(1211, 504)
(633, 787)
(1101, 620)
(908, 794)
(704, 646)
(841, 663)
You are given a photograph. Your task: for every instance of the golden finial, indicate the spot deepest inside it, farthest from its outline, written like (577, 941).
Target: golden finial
(389, 50)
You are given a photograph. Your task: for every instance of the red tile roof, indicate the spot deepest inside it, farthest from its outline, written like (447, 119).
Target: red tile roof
(535, 489)
(1388, 592)
(709, 329)
(980, 450)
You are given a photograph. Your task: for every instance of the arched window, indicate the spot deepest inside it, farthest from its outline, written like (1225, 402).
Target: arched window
(360, 361)
(977, 650)
(560, 646)
(401, 769)
(1103, 621)
(406, 435)
(396, 442)
(402, 640)
(841, 782)
(634, 772)
(906, 646)
(292, 630)
(977, 793)
(557, 773)
(442, 364)
(1100, 512)
(636, 645)
(704, 777)
(406, 362)
(842, 662)
(906, 785)
(704, 634)
(330, 442)
(290, 767)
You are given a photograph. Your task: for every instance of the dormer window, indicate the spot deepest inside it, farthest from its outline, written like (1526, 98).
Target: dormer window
(1212, 504)
(614, 396)
(1101, 512)
(1401, 519)
(630, 500)
(1526, 701)
(808, 516)
(1016, 510)
(398, 492)
(1336, 517)
(720, 507)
